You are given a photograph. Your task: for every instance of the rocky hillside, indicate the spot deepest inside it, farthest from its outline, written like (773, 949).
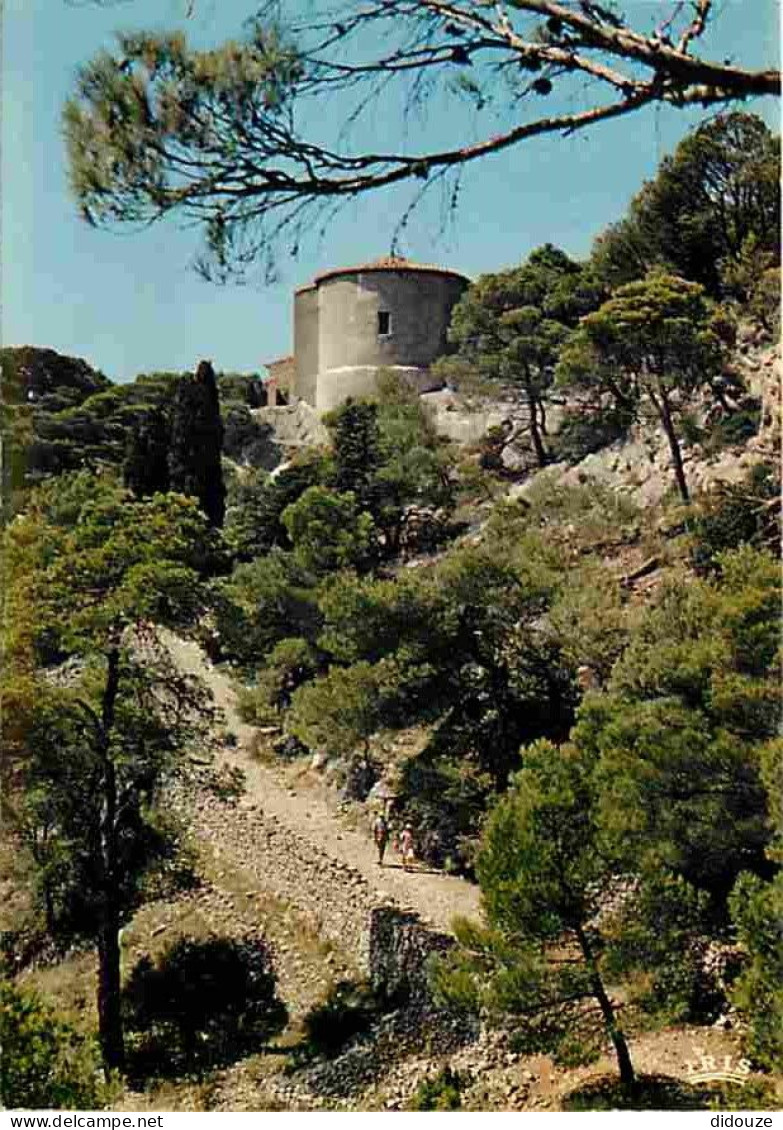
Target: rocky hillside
(277, 852)
(281, 855)
(640, 464)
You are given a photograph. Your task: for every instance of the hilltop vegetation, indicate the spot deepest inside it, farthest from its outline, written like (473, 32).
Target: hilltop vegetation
(588, 689)
(61, 415)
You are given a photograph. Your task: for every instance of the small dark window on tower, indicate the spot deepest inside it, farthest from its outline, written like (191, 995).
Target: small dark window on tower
(384, 323)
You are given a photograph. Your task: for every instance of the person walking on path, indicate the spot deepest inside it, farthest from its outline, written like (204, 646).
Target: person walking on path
(380, 834)
(406, 847)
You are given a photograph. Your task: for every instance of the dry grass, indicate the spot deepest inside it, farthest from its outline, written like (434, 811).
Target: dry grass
(16, 907)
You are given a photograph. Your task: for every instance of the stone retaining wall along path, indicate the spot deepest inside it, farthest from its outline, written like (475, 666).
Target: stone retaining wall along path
(298, 850)
(335, 897)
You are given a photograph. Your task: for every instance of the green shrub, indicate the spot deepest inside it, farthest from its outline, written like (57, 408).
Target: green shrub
(734, 429)
(46, 1063)
(765, 301)
(329, 531)
(491, 449)
(445, 797)
(661, 1092)
(202, 1004)
(443, 1092)
(691, 430)
(254, 707)
(583, 432)
(756, 1094)
(743, 514)
(587, 515)
(652, 1092)
(757, 909)
(290, 663)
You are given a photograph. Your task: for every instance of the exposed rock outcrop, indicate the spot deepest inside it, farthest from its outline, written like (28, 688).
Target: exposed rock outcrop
(293, 425)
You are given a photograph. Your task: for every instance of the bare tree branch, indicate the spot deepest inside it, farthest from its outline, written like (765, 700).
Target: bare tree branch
(216, 136)
(702, 9)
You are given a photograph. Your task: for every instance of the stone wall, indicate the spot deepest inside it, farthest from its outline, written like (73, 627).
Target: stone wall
(396, 952)
(282, 378)
(386, 943)
(358, 381)
(419, 305)
(292, 426)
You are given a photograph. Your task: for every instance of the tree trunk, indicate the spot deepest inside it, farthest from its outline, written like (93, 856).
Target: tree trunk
(109, 991)
(109, 1001)
(664, 412)
(38, 849)
(49, 917)
(616, 1034)
(394, 533)
(535, 431)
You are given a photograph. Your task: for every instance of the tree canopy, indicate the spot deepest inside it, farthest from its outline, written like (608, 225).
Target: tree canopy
(651, 343)
(712, 203)
(391, 457)
(560, 922)
(220, 136)
(614, 858)
(509, 327)
(102, 713)
(690, 713)
(328, 531)
(59, 415)
(46, 1062)
(197, 442)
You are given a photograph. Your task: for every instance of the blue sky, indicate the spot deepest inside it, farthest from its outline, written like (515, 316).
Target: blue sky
(131, 303)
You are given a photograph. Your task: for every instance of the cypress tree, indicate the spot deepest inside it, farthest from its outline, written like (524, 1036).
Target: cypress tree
(146, 468)
(197, 443)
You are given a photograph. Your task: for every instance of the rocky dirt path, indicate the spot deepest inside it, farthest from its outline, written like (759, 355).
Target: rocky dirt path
(311, 828)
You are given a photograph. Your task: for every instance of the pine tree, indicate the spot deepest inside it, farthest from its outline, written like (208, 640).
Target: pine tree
(652, 344)
(197, 442)
(92, 573)
(156, 127)
(508, 328)
(357, 450)
(538, 965)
